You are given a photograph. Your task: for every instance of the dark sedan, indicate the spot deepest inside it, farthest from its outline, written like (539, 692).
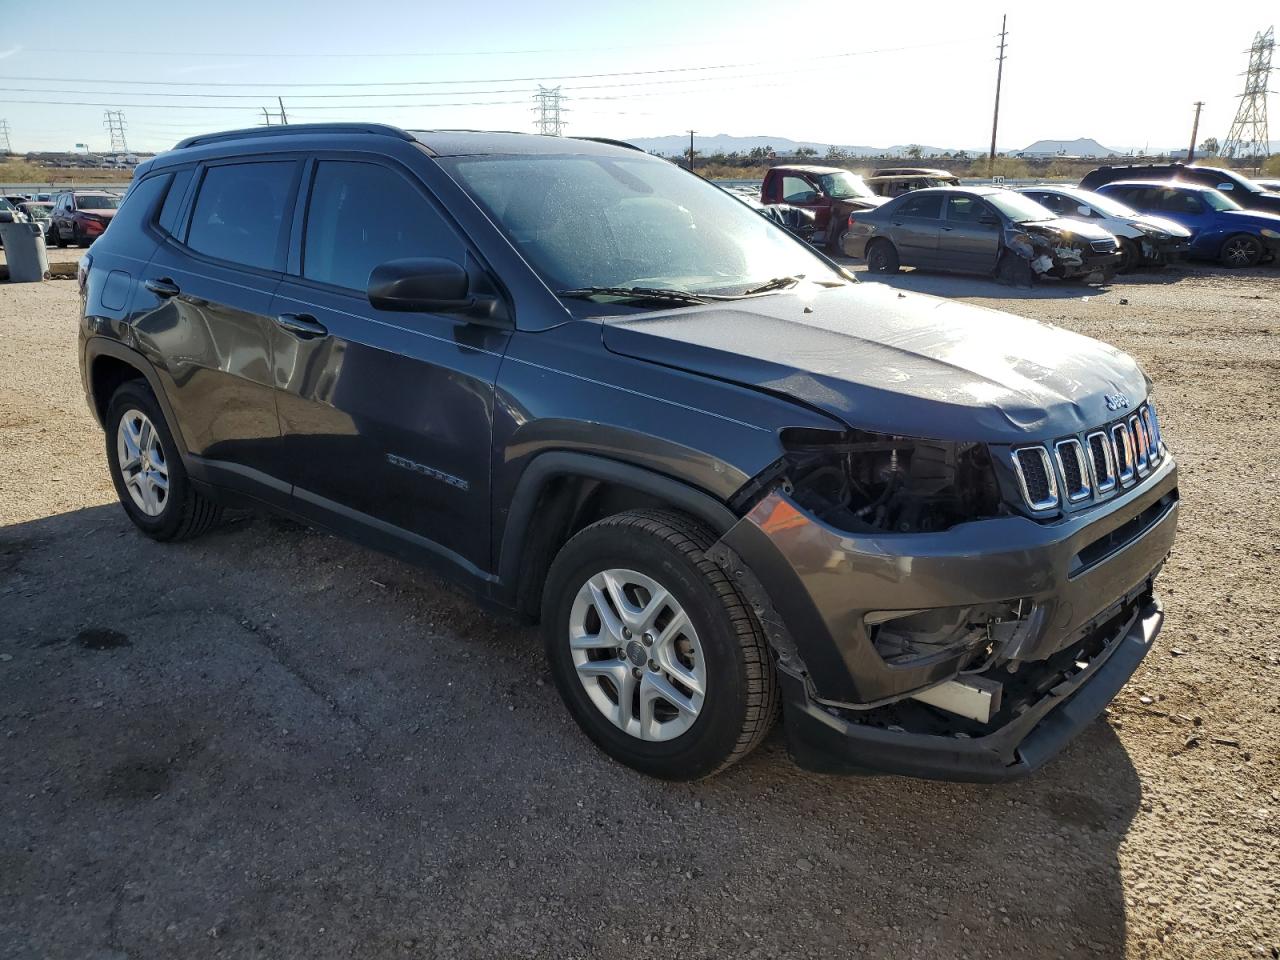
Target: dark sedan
(982, 230)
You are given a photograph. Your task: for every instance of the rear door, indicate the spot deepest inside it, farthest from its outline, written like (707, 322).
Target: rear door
(966, 242)
(205, 309)
(386, 417)
(914, 226)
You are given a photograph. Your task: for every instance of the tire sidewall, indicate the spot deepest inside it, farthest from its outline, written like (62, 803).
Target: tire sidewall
(1252, 261)
(701, 749)
(133, 395)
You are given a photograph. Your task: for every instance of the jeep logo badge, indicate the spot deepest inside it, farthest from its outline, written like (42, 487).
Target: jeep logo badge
(1117, 401)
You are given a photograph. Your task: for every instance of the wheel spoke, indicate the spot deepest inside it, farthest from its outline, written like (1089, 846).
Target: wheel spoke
(622, 716)
(592, 641)
(608, 619)
(657, 603)
(656, 685)
(159, 480)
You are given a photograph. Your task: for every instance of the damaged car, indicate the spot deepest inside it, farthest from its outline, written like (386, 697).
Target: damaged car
(727, 479)
(983, 230)
(829, 193)
(1145, 239)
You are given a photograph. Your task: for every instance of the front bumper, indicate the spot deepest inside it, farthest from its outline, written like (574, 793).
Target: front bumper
(1160, 252)
(821, 739)
(1091, 262)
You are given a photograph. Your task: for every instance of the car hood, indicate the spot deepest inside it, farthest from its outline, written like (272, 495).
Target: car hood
(903, 363)
(1077, 228)
(1259, 218)
(1171, 227)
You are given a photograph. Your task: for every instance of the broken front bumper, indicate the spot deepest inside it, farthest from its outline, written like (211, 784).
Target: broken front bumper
(823, 739)
(1161, 252)
(813, 587)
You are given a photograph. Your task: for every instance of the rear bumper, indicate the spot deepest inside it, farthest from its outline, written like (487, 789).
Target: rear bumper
(825, 740)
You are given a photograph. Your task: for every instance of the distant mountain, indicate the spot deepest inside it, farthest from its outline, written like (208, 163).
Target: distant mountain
(677, 144)
(1083, 147)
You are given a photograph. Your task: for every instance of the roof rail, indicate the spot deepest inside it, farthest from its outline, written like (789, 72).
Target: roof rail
(293, 129)
(611, 142)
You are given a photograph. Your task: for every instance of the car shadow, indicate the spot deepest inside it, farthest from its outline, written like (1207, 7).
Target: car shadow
(269, 739)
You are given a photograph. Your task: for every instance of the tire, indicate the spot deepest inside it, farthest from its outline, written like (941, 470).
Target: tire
(882, 257)
(1130, 256)
(1012, 270)
(1241, 250)
(180, 512)
(834, 242)
(722, 648)
(54, 237)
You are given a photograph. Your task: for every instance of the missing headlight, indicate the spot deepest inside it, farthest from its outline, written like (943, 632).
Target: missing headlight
(863, 481)
(916, 637)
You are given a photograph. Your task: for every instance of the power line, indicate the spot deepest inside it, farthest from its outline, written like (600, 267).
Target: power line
(1249, 136)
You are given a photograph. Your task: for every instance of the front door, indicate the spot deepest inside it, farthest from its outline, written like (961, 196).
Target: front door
(204, 305)
(914, 228)
(970, 238)
(386, 416)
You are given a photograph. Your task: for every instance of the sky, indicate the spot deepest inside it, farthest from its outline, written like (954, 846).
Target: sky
(865, 74)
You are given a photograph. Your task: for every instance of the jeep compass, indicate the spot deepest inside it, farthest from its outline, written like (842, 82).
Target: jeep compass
(728, 480)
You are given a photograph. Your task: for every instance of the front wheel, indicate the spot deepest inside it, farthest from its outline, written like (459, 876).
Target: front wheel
(1242, 250)
(1130, 255)
(654, 650)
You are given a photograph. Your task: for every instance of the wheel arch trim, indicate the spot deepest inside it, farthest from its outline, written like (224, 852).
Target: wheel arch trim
(96, 348)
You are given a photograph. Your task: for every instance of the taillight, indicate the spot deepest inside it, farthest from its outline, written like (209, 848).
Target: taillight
(82, 273)
(852, 221)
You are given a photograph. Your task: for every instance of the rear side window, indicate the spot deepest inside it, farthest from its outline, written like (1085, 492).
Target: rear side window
(362, 215)
(927, 207)
(168, 219)
(140, 203)
(239, 211)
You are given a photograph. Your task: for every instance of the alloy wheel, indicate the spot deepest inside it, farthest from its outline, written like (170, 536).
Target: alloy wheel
(142, 462)
(1241, 252)
(637, 654)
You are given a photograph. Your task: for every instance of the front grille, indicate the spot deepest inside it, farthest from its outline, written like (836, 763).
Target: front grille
(1035, 475)
(1075, 473)
(1153, 432)
(1102, 462)
(1103, 246)
(1139, 434)
(1123, 446)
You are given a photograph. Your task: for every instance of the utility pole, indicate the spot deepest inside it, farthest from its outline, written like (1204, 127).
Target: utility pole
(266, 116)
(691, 133)
(1249, 136)
(283, 118)
(4, 136)
(1195, 129)
(113, 120)
(995, 119)
(548, 106)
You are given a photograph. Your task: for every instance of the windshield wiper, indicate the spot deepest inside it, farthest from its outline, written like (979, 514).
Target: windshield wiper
(777, 283)
(658, 294)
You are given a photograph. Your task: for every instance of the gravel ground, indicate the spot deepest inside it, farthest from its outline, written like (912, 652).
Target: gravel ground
(270, 743)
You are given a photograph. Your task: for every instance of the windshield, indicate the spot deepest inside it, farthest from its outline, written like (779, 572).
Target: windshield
(96, 201)
(1019, 208)
(1107, 206)
(624, 221)
(36, 211)
(1220, 201)
(844, 185)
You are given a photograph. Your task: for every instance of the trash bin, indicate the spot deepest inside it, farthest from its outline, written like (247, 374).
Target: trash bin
(24, 250)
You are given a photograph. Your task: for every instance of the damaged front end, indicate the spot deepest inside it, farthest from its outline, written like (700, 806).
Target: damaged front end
(1049, 250)
(923, 622)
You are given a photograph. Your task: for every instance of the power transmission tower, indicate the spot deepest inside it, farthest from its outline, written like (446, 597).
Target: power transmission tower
(995, 119)
(1249, 136)
(548, 107)
(114, 122)
(4, 137)
(1195, 129)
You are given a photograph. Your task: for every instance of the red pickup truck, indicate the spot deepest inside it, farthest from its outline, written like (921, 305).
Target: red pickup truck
(831, 193)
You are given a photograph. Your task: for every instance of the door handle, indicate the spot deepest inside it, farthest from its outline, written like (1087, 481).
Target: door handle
(162, 287)
(302, 325)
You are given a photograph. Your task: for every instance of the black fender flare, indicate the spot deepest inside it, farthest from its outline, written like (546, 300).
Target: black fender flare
(97, 347)
(558, 463)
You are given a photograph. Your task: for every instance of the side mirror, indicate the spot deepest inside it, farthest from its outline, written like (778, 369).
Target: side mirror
(429, 285)
(1226, 186)
(1084, 210)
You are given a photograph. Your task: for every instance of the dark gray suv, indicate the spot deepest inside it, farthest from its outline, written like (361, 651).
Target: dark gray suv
(726, 478)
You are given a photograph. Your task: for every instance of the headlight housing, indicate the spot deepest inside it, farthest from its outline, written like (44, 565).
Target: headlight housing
(1154, 232)
(1270, 234)
(868, 481)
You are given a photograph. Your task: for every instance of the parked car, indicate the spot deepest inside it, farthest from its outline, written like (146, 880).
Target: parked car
(37, 212)
(1268, 184)
(16, 198)
(1247, 194)
(796, 220)
(1144, 239)
(895, 181)
(80, 217)
(604, 395)
(9, 213)
(44, 197)
(830, 193)
(1220, 229)
(985, 230)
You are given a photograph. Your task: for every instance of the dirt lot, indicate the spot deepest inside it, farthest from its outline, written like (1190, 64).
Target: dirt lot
(269, 743)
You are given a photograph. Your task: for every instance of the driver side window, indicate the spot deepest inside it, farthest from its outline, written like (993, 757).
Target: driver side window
(798, 190)
(966, 210)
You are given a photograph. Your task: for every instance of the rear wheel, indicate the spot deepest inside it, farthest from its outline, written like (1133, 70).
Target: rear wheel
(882, 257)
(1242, 250)
(653, 649)
(53, 238)
(147, 471)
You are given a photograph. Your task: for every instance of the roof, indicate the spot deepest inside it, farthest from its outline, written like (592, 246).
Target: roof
(1166, 184)
(809, 168)
(912, 172)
